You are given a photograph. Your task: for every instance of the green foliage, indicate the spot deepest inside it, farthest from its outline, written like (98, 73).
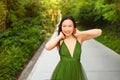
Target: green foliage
(107, 10)
(86, 16)
(18, 45)
(2, 15)
(98, 9)
(82, 11)
(32, 9)
(3, 11)
(28, 25)
(110, 13)
(92, 12)
(11, 18)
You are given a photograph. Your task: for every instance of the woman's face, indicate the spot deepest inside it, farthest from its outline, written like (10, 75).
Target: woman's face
(67, 27)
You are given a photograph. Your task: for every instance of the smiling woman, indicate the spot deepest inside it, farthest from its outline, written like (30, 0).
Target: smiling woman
(69, 41)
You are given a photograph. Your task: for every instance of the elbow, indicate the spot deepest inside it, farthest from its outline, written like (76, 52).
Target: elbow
(47, 48)
(100, 32)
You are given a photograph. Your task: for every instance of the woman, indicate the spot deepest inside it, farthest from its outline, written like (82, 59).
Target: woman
(69, 41)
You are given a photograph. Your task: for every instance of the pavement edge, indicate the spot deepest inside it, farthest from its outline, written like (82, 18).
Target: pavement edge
(25, 73)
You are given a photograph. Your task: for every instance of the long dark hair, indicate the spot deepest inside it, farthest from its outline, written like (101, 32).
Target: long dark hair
(63, 19)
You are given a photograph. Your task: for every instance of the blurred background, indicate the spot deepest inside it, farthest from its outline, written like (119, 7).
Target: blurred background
(26, 24)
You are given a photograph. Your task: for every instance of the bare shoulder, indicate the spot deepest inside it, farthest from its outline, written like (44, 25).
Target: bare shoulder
(79, 39)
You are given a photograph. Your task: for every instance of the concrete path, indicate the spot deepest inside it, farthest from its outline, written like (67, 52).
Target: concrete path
(99, 62)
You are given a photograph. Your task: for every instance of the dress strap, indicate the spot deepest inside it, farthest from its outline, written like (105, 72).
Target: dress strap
(61, 41)
(75, 37)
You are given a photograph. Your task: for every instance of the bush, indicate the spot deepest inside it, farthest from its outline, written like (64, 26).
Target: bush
(17, 45)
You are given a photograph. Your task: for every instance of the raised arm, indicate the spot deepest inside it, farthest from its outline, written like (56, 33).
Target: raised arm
(54, 42)
(88, 34)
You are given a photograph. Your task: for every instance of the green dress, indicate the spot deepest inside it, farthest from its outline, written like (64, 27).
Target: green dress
(69, 68)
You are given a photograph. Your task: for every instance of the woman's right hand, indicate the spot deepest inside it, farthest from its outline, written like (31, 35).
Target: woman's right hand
(61, 35)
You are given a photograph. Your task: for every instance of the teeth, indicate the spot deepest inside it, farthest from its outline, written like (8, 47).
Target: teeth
(67, 32)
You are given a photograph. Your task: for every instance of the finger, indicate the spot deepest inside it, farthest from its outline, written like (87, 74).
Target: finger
(63, 34)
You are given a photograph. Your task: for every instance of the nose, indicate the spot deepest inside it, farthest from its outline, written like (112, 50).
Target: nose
(67, 28)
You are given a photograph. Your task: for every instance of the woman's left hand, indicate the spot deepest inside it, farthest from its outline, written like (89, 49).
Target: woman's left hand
(75, 33)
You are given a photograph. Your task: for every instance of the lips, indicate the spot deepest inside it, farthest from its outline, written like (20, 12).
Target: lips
(67, 33)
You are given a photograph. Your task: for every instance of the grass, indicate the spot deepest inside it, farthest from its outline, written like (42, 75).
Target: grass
(110, 39)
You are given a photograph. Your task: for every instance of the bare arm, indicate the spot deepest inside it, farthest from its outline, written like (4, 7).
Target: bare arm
(88, 34)
(53, 43)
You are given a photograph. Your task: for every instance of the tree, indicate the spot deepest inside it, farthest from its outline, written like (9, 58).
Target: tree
(2, 16)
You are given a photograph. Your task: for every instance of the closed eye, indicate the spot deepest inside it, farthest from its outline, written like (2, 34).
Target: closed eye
(64, 26)
(70, 25)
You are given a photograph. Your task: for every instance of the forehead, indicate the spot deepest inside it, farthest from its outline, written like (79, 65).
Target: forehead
(67, 21)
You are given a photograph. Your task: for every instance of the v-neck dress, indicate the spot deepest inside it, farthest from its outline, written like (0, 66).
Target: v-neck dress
(69, 67)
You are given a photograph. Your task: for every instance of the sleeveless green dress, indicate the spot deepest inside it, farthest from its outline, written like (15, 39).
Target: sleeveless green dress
(69, 68)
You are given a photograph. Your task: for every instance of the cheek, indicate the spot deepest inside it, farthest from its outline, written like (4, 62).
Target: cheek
(62, 29)
(72, 29)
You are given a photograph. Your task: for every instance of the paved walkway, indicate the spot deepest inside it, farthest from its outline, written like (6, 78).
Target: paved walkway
(99, 62)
